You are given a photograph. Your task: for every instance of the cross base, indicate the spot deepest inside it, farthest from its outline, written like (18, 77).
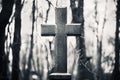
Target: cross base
(60, 76)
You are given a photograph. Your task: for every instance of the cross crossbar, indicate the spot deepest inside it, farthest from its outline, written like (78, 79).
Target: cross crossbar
(48, 30)
(70, 29)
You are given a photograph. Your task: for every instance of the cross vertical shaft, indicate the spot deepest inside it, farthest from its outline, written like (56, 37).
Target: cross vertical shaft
(61, 40)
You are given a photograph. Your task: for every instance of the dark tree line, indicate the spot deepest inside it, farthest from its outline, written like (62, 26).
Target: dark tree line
(7, 7)
(4, 20)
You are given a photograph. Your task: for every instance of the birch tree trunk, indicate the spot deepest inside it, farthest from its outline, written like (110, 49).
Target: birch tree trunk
(27, 75)
(98, 75)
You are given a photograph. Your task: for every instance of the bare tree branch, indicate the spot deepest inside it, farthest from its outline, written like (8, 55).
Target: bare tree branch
(47, 12)
(12, 18)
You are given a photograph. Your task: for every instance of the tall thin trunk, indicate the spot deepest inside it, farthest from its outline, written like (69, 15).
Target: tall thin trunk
(16, 42)
(116, 71)
(27, 76)
(99, 72)
(77, 15)
(5, 14)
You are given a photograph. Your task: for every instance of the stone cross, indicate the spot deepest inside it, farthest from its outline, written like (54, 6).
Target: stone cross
(61, 30)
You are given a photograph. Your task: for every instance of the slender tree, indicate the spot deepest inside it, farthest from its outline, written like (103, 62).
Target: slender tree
(17, 41)
(27, 75)
(98, 75)
(77, 17)
(7, 6)
(116, 71)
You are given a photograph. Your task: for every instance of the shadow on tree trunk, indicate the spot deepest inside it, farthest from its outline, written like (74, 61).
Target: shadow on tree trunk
(5, 14)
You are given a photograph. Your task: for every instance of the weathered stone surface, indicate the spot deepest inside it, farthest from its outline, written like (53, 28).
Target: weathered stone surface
(48, 30)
